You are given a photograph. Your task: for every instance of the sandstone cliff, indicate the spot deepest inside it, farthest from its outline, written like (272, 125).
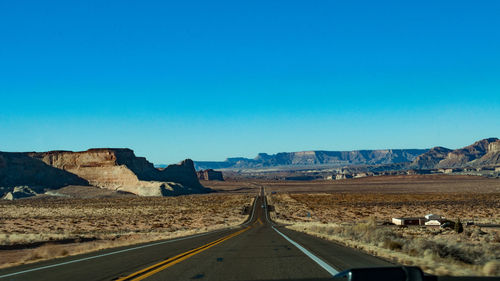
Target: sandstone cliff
(19, 169)
(210, 175)
(485, 152)
(115, 169)
(431, 158)
(120, 169)
(492, 156)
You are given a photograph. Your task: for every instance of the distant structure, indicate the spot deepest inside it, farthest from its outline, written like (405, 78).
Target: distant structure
(433, 223)
(428, 220)
(408, 221)
(343, 176)
(210, 175)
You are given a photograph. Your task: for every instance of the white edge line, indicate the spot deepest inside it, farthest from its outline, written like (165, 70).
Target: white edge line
(266, 211)
(121, 251)
(319, 261)
(253, 210)
(107, 254)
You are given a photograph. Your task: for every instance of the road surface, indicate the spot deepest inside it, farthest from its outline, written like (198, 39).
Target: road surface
(257, 250)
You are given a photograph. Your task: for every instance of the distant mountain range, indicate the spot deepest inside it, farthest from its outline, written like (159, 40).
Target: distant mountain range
(316, 158)
(485, 152)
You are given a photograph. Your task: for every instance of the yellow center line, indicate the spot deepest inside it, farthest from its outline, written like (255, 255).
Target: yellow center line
(148, 271)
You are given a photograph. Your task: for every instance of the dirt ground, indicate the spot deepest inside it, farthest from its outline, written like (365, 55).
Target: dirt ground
(43, 228)
(351, 207)
(377, 184)
(391, 184)
(351, 212)
(36, 229)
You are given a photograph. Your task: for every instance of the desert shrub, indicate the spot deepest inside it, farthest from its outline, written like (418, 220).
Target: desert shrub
(495, 238)
(393, 245)
(468, 254)
(459, 228)
(492, 268)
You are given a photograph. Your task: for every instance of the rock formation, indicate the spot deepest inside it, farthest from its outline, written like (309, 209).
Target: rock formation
(492, 156)
(19, 192)
(317, 158)
(115, 169)
(431, 158)
(461, 157)
(485, 152)
(210, 175)
(19, 169)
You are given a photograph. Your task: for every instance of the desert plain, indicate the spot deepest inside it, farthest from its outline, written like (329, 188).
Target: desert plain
(357, 213)
(32, 230)
(352, 212)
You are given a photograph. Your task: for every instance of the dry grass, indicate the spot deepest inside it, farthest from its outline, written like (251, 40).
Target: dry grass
(354, 219)
(391, 184)
(436, 251)
(233, 186)
(351, 207)
(108, 222)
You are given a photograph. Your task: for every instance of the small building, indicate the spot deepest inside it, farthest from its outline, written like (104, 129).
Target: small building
(419, 172)
(433, 223)
(408, 221)
(451, 170)
(432, 217)
(343, 176)
(497, 169)
(360, 175)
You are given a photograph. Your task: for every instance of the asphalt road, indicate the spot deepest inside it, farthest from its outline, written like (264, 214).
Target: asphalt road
(256, 250)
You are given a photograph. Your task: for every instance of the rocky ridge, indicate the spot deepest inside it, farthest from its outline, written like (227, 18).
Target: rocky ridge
(21, 170)
(115, 169)
(485, 152)
(317, 158)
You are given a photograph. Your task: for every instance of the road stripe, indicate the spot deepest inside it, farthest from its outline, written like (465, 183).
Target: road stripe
(253, 210)
(319, 261)
(124, 250)
(148, 271)
(108, 254)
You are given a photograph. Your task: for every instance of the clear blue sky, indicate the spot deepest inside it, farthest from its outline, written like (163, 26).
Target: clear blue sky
(213, 79)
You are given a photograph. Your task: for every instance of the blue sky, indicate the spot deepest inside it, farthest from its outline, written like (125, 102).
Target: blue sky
(213, 79)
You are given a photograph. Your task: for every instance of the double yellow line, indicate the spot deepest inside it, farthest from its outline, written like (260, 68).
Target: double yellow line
(148, 271)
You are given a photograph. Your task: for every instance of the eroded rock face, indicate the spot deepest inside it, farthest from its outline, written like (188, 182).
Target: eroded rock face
(115, 169)
(19, 192)
(494, 147)
(460, 157)
(431, 158)
(120, 169)
(311, 158)
(492, 157)
(485, 152)
(210, 175)
(19, 169)
(100, 167)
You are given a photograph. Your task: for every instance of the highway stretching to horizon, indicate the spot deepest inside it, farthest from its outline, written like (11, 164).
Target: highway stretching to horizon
(257, 250)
